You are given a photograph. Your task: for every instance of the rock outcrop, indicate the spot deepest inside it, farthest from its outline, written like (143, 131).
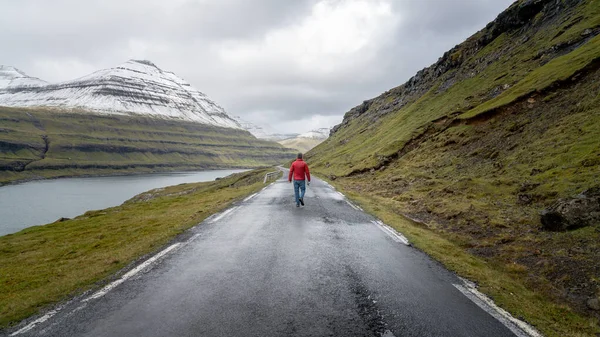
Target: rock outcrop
(568, 214)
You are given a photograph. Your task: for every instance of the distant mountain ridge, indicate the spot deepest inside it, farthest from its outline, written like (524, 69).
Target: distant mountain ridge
(136, 87)
(321, 133)
(265, 132)
(306, 141)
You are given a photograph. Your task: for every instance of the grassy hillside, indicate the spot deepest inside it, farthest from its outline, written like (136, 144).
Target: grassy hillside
(476, 146)
(43, 143)
(42, 265)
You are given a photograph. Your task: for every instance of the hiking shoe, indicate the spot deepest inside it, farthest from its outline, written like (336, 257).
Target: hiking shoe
(302, 201)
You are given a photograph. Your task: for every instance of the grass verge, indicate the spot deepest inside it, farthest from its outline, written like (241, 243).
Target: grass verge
(43, 265)
(503, 284)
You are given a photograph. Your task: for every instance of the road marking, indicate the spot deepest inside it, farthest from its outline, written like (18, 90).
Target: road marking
(131, 273)
(250, 197)
(518, 327)
(352, 205)
(224, 214)
(36, 322)
(106, 289)
(356, 207)
(395, 235)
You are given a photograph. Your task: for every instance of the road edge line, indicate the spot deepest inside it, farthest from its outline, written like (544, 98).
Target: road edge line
(394, 234)
(131, 273)
(517, 326)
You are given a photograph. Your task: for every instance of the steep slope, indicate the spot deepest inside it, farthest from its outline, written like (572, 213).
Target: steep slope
(135, 87)
(477, 146)
(306, 141)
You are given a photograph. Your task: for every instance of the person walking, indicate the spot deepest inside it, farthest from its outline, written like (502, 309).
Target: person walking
(299, 171)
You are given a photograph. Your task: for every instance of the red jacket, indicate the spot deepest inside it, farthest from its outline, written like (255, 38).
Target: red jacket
(299, 168)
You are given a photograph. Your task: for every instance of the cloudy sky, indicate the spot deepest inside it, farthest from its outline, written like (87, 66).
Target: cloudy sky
(293, 64)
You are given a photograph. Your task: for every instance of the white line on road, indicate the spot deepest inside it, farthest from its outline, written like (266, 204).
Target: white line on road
(111, 286)
(250, 197)
(101, 292)
(36, 322)
(224, 214)
(398, 237)
(356, 207)
(352, 205)
(132, 272)
(518, 327)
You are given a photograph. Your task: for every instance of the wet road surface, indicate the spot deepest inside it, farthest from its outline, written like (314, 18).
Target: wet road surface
(267, 268)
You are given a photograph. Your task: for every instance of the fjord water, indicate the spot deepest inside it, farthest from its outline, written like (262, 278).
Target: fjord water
(44, 201)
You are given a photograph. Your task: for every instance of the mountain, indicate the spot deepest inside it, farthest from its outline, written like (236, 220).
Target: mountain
(265, 132)
(133, 88)
(11, 77)
(321, 134)
(492, 149)
(128, 119)
(306, 141)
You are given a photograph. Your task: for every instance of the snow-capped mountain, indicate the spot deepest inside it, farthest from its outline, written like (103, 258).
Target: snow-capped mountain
(11, 77)
(322, 133)
(306, 141)
(135, 87)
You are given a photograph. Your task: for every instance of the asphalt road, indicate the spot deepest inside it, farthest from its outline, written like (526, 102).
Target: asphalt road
(267, 268)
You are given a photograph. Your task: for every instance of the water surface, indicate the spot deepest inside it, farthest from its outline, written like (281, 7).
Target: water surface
(44, 201)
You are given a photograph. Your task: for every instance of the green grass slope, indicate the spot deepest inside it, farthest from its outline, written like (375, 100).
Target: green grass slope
(476, 146)
(36, 143)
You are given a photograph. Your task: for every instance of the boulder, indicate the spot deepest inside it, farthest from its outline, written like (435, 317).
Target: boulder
(594, 304)
(568, 214)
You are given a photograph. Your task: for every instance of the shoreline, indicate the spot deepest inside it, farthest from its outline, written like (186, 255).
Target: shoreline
(120, 174)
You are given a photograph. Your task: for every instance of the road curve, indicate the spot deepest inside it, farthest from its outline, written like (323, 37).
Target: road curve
(267, 268)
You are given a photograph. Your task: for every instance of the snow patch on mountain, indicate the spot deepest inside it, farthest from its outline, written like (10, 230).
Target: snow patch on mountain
(11, 77)
(136, 87)
(322, 133)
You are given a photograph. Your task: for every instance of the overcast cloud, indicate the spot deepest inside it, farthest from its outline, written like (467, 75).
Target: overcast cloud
(294, 64)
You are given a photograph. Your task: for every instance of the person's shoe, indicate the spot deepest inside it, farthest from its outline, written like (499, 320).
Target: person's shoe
(302, 201)
(297, 205)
